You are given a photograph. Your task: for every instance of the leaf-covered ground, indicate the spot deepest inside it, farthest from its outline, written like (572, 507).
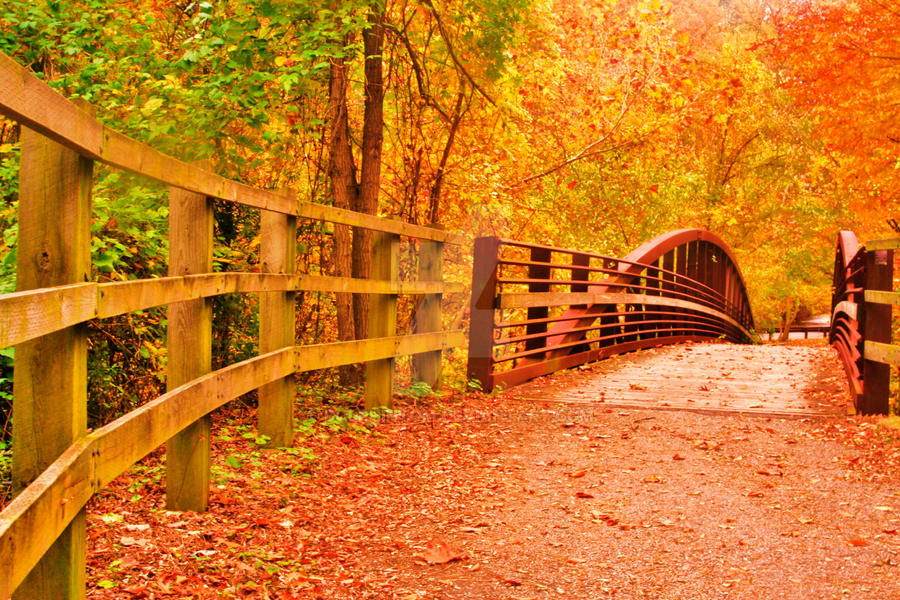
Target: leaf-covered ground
(512, 497)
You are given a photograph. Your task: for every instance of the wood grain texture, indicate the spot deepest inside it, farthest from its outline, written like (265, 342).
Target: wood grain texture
(50, 372)
(189, 344)
(889, 244)
(27, 315)
(30, 314)
(882, 353)
(382, 319)
(882, 297)
(277, 254)
(427, 318)
(53, 500)
(336, 354)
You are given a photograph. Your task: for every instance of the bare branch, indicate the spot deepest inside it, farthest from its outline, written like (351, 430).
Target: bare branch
(453, 56)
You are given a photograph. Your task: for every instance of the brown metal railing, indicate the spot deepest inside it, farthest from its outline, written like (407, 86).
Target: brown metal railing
(537, 309)
(861, 303)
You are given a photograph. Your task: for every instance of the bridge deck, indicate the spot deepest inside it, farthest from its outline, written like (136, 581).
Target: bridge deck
(766, 379)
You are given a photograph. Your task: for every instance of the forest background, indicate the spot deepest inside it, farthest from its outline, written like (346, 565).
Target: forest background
(594, 125)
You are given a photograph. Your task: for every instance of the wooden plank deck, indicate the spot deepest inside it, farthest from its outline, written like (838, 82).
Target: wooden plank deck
(767, 379)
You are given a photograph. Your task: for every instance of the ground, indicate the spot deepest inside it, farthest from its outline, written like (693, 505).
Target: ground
(528, 494)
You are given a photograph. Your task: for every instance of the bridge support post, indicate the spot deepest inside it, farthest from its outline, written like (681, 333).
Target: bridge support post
(50, 382)
(382, 319)
(876, 376)
(427, 366)
(278, 254)
(481, 314)
(189, 346)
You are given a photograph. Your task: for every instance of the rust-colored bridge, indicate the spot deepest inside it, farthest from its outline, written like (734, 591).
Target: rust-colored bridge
(535, 310)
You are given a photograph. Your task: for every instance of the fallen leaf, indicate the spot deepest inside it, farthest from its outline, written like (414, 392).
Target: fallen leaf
(130, 541)
(638, 386)
(580, 473)
(583, 495)
(441, 553)
(678, 457)
(858, 542)
(772, 473)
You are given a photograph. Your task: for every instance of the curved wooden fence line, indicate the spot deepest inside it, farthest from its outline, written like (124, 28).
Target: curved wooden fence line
(57, 464)
(861, 301)
(52, 309)
(36, 517)
(680, 286)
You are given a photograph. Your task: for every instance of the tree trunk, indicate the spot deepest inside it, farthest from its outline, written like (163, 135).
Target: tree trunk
(370, 172)
(434, 197)
(342, 171)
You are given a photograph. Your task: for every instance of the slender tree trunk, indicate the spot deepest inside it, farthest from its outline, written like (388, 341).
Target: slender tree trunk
(370, 171)
(342, 171)
(434, 197)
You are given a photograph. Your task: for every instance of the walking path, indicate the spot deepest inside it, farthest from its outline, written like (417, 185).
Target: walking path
(545, 492)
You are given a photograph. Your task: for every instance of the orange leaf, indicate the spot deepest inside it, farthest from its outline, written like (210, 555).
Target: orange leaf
(858, 542)
(441, 553)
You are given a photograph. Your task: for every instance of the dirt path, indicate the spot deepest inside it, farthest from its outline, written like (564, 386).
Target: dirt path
(543, 500)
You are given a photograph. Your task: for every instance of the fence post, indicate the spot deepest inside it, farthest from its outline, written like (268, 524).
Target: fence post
(876, 376)
(50, 381)
(277, 254)
(382, 318)
(481, 313)
(427, 366)
(189, 343)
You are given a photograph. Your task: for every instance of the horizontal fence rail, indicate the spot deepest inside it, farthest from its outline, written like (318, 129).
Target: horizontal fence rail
(537, 309)
(57, 464)
(861, 304)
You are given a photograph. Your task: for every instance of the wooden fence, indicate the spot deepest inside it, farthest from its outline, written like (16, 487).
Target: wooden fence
(42, 531)
(681, 286)
(861, 321)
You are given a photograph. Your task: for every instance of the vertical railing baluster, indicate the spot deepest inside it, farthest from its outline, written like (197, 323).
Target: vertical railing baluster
(277, 254)
(50, 380)
(189, 346)
(539, 270)
(580, 274)
(668, 264)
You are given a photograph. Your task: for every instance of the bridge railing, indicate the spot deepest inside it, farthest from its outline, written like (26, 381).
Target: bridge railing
(538, 309)
(57, 464)
(862, 300)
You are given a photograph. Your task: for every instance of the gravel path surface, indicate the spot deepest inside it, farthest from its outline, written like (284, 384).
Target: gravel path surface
(516, 497)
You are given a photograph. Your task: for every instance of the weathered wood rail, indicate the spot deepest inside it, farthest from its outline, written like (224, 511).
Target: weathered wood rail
(684, 285)
(57, 463)
(861, 304)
